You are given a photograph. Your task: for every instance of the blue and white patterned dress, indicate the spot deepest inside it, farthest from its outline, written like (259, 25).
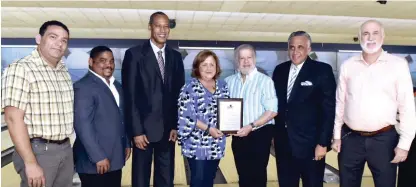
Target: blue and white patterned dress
(197, 103)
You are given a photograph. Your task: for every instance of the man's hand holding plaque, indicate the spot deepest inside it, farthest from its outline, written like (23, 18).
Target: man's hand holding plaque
(244, 131)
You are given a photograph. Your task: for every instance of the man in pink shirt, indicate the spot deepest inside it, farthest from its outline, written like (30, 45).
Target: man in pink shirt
(372, 88)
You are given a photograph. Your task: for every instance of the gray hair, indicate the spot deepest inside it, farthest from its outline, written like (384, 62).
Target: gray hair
(300, 33)
(241, 47)
(371, 21)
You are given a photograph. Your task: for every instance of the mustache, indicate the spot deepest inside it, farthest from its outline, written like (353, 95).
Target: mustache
(370, 42)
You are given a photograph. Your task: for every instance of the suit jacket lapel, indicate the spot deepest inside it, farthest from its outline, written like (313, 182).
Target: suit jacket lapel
(151, 58)
(304, 71)
(120, 98)
(285, 79)
(168, 63)
(103, 86)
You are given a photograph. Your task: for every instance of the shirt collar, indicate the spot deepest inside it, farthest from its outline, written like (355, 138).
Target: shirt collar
(250, 75)
(112, 79)
(41, 62)
(156, 49)
(381, 58)
(299, 66)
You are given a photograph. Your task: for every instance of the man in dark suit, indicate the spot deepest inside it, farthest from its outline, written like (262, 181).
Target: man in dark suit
(101, 146)
(153, 74)
(306, 92)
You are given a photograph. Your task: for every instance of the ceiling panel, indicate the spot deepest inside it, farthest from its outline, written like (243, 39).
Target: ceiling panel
(327, 21)
(361, 8)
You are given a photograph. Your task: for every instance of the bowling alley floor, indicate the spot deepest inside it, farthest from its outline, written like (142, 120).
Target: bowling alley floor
(226, 175)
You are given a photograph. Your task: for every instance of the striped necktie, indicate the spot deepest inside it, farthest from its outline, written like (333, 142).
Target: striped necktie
(291, 81)
(161, 64)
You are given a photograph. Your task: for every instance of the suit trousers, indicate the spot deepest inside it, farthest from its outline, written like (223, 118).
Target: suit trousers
(109, 179)
(163, 152)
(290, 169)
(251, 156)
(203, 172)
(56, 160)
(407, 169)
(377, 151)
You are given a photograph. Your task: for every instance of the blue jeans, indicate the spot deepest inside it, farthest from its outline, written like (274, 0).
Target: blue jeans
(203, 172)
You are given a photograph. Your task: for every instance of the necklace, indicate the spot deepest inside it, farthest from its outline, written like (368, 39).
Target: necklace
(209, 86)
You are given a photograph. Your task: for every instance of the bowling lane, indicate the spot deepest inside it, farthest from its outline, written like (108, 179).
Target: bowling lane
(6, 141)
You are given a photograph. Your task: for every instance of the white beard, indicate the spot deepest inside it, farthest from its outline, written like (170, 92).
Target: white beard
(370, 51)
(246, 71)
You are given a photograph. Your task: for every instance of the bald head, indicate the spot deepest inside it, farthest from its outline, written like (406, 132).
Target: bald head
(372, 23)
(371, 36)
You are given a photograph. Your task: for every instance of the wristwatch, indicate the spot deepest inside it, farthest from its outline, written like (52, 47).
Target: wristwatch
(252, 125)
(207, 130)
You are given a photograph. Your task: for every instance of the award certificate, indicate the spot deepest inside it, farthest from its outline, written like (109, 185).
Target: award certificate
(230, 115)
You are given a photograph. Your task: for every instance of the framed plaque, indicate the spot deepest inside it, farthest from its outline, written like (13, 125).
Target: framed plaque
(230, 115)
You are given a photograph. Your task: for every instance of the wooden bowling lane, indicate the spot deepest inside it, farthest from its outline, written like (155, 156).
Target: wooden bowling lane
(227, 170)
(6, 141)
(9, 177)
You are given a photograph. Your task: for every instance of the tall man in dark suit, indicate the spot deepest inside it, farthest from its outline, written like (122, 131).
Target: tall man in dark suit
(153, 74)
(101, 146)
(306, 92)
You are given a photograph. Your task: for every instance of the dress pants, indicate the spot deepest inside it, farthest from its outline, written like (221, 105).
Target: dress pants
(203, 172)
(163, 152)
(291, 169)
(377, 151)
(109, 179)
(251, 156)
(56, 160)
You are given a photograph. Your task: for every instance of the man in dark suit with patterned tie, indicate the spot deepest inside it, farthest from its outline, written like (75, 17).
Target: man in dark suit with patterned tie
(152, 76)
(306, 92)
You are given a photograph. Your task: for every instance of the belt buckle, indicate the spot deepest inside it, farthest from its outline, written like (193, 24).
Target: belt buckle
(367, 133)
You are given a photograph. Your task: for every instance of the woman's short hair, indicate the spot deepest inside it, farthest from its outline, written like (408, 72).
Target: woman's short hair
(201, 57)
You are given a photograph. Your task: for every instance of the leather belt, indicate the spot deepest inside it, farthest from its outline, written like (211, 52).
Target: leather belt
(372, 133)
(41, 140)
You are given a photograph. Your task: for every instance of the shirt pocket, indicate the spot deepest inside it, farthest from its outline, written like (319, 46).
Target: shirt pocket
(306, 89)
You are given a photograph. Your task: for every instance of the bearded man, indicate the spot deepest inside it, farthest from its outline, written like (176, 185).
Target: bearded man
(372, 88)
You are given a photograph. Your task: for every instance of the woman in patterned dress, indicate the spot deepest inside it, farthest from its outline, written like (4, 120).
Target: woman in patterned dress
(202, 143)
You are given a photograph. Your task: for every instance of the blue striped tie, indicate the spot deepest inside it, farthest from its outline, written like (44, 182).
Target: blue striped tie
(291, 81)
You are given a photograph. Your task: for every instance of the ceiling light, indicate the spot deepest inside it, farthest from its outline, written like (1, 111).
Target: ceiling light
(349, 51)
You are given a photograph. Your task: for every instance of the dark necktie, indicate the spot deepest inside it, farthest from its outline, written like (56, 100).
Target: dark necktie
(161, 64)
